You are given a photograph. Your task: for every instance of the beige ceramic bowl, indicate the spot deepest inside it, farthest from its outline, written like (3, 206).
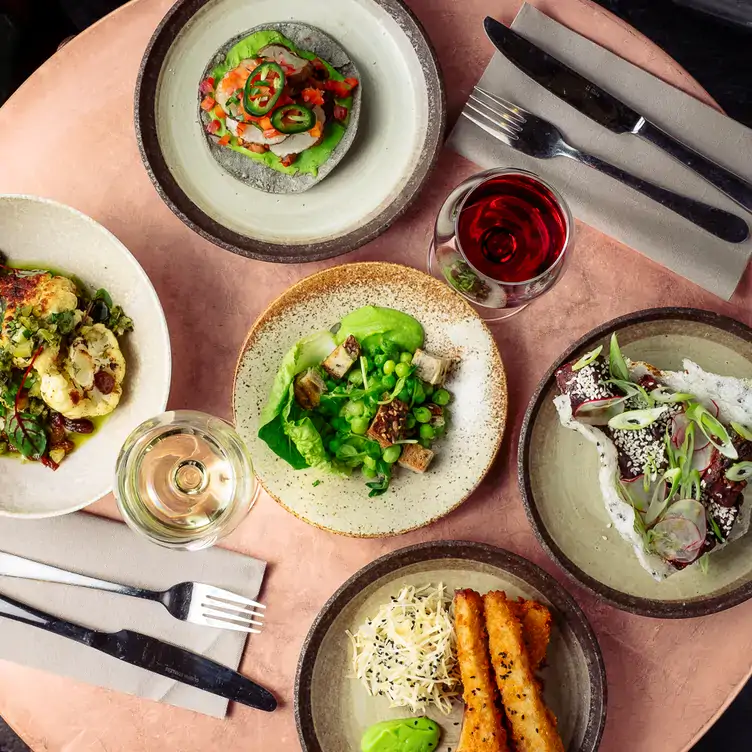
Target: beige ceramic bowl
(333, 710)
(478, 410)
(45, 234)
(558, 472)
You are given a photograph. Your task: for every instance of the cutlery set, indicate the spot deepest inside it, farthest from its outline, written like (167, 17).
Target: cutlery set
(192, 602)
(538, 138)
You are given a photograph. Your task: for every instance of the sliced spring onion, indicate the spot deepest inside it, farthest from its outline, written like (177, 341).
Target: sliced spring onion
(713, 429)
(616, 362)
(704, 563)
(631, 389)
(632, 420)
(364, 370)
(588, 358)
(661, 499)
(716, 530)
(662, 395)
(739, 471)
(743, 431)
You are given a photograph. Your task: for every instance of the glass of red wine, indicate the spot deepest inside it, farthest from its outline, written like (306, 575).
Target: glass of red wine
(502, 238)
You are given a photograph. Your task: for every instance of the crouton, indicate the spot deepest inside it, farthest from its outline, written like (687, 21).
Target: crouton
(341, 359)
(309, 386)
(416, 458)
(388, 423)
(431, 368)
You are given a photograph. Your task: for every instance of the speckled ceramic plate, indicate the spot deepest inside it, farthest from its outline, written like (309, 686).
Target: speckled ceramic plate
(478, 409)
(558, 473)
(49, 235)
(398, 139)
(332, 710)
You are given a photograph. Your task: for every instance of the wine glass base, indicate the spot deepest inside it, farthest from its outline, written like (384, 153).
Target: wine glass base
(489, 315)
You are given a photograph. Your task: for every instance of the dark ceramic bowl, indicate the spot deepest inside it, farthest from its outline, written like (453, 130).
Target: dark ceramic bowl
(398, 139)
(558, 473)
(332, 710)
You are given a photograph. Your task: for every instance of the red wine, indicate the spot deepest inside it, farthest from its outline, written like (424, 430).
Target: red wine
(512, 228)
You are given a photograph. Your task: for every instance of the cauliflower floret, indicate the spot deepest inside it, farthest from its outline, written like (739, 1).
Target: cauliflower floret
(87, 380)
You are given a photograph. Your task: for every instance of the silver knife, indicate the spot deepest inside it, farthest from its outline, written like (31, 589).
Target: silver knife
(151, 654)
(607, 110)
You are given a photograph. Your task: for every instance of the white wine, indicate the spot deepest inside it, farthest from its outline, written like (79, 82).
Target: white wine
(184, 479)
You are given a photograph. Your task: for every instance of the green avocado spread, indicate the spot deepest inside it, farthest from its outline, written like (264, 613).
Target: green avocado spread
(402, 735)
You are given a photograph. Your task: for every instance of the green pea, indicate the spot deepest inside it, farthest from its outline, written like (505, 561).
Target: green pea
(340, 424)
(422, 415)
(368, 472)
(419, 394)
(404, 395)
(355, 409)
(389, 367)
(379, 360)
(355, 377)
(369, 461)
(406, 357)
(359, 426)
(402, 369)
(410, 422)
(334, 445)
(427, 432)
(392, 453)
(442, 397)
(425, 443)
(374, 450)
(389, 382)
(428, 388)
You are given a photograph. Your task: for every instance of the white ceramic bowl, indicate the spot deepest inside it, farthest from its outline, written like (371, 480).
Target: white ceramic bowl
(50, 235)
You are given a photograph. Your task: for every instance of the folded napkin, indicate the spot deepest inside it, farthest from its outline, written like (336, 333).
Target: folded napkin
(599, 200)
(105, 549)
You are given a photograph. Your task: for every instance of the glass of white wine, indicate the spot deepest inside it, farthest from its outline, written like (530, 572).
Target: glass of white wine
(184, 480)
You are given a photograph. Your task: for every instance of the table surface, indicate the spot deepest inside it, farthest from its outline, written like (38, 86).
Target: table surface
(668, 680)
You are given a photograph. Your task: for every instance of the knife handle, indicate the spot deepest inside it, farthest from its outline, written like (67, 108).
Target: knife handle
(726, 181)
(20, 612)
(718, 222)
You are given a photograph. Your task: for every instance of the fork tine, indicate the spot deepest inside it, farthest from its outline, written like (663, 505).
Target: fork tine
(226, 623)
(231, 598)
(235, 613)
(515, 109)
(508, 122)
(495, 131)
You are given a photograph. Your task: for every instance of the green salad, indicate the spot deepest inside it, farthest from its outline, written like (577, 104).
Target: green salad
(363, 395)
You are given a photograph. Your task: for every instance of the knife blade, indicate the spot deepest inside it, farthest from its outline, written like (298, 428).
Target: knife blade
(607, 110)
(151, 654)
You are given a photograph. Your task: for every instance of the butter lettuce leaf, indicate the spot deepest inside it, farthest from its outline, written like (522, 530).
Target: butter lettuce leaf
(389, 325)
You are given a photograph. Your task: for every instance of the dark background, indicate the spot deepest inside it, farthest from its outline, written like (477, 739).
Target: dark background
(716, 51)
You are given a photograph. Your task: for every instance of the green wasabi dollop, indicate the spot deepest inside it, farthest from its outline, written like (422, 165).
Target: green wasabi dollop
(402, 735)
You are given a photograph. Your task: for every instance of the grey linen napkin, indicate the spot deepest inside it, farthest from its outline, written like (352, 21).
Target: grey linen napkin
(599, 200)
(109, 550)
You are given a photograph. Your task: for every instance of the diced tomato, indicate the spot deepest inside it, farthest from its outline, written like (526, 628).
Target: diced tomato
(207, 103)
(313, 96)
(287, 68)
(258, 148)
(206, 86)
(219, 113)
(224, 140)
(213, 127)
(341, 89)
(340, 112)
(271, 133)
(283, 101)
(241, 129)
(289, 159)
(265, 123)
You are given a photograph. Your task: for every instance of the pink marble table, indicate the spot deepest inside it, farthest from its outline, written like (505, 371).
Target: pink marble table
(668, 680)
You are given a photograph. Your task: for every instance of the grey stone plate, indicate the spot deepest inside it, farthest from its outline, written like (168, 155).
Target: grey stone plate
(258, 175)
(332, 710)
(399, 133)
(559, 483)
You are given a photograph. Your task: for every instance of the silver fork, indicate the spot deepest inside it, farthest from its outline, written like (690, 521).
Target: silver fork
(189, 601)
(538, 138)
